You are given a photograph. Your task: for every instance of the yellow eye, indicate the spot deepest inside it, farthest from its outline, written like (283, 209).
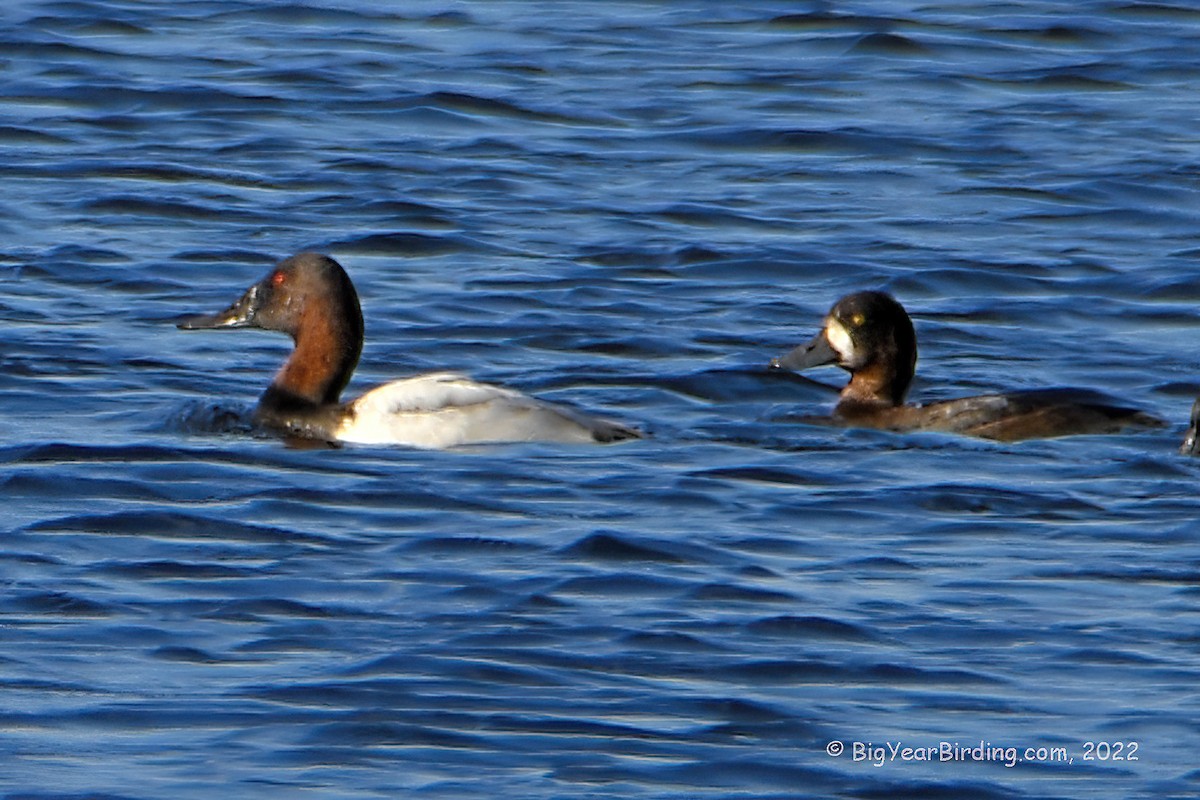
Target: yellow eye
(858, 319)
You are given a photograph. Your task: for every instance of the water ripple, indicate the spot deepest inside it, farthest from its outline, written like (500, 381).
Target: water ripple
(631, 208)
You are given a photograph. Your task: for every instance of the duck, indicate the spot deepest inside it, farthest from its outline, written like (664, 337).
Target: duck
(1191, 440)
(310, 297)
(871, 336)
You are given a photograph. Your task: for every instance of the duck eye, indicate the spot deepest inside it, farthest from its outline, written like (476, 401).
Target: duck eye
(858, 319)
(278, 278)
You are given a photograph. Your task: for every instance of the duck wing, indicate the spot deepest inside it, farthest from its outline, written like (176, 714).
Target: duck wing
(1035, 414)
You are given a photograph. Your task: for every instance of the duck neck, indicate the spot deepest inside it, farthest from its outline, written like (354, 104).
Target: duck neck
(327, 349)
(878, 385)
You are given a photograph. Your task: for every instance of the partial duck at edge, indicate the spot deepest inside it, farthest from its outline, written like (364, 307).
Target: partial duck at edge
(870, 335)
(311, 298)
(1191, 440)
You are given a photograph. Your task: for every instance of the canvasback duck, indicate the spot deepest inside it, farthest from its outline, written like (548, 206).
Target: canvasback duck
(871, 336)
(310, 297)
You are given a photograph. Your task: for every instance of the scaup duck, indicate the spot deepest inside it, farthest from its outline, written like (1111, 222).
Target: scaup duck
(871, 336)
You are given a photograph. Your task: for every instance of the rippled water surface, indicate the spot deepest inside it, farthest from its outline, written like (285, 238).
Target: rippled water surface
(629, 207)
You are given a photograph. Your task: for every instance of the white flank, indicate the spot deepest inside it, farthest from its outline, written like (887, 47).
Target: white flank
(445, 409)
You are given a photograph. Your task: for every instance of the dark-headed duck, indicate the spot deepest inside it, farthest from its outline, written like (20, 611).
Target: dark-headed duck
(870, 335)
(310, 298)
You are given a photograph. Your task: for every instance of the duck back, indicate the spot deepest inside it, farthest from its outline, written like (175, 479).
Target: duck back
(446, 410)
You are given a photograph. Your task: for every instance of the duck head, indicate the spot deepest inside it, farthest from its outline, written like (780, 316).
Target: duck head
(869, 335)
(309, 297)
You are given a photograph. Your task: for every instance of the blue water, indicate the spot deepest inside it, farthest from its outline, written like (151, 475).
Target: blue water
(629, 207)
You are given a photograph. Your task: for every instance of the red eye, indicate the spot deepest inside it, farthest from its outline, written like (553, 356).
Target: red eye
(278, 278)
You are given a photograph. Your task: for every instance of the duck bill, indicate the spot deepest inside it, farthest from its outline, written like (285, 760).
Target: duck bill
(239, 315)
(816, 353)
